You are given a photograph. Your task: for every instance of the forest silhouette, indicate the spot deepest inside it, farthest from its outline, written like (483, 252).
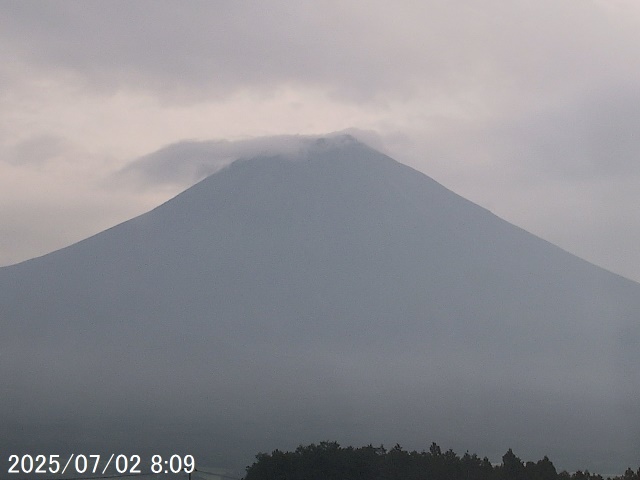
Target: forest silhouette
(330, 461)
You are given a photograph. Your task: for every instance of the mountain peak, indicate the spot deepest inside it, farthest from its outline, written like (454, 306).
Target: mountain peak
(189, 161)
(335, 142)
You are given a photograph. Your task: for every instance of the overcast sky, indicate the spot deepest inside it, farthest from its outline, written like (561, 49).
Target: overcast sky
(528, 108)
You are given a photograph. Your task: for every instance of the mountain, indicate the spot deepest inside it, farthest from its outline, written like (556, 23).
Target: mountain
(333, 294)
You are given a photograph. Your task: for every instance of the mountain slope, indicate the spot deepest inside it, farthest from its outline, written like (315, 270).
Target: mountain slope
(334, 295)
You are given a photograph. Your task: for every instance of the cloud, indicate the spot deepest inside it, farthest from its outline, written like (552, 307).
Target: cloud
(183, 162)
(358, 51)
(186, 162)
(37, 150)
(595, 136)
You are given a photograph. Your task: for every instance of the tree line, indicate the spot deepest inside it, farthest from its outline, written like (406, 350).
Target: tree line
(330, 461)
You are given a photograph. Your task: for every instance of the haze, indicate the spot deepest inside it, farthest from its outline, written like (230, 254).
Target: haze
(329, 292)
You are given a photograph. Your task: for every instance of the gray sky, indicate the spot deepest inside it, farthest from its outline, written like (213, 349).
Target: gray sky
(530, 109)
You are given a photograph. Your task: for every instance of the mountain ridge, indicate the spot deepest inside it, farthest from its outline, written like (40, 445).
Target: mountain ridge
(309, 146)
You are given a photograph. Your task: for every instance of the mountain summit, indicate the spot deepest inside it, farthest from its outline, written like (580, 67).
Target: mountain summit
(331, 293)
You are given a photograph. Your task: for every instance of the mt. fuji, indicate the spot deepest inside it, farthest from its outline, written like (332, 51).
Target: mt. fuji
(331, 294)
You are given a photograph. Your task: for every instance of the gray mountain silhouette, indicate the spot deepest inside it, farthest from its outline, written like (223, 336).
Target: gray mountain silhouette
(334, 294)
